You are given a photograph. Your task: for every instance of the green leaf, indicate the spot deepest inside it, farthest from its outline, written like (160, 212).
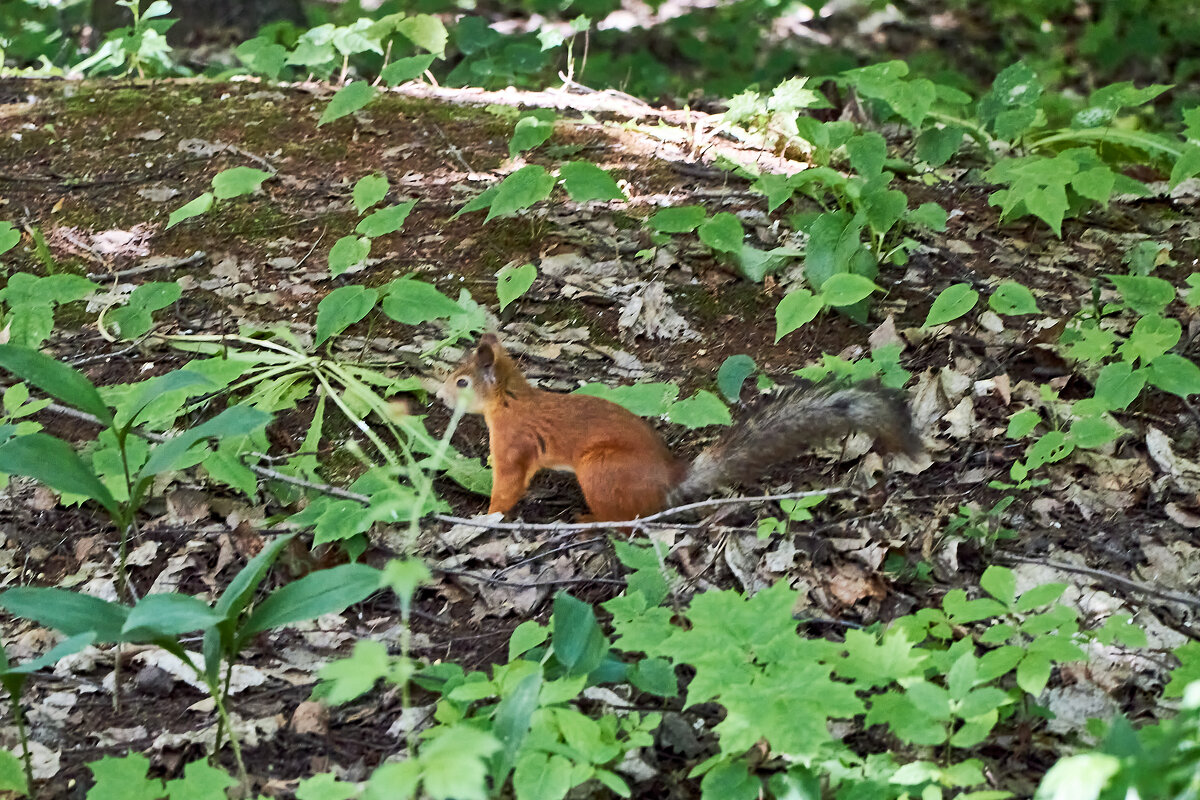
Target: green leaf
(520, 190)
(930, 215)
(798, 307)
(12, 774)
(1151, 337)
(385, 220)
(1011, 299)
(192, 208)
(348, 252)
(512, 282)
(349, 678)
(56, 464)
(579, 644)
(369, 190)
(1086, 775)
(124, 779)
(656, 676)
(1186, 166)
(71, 613)
(722, 233)
(867, 152)
(398, 780)
(701, 409)
(1118, 385)
(732, 374)
(643, 399)
(349, 98)
(328, 591)
(1033, 673)
(677, 219)
(60, 381)
(200, 781)
(526, 636)
(845, 289)
(1175, 374)
(412, 302)
(9, 236)
(778, 189)
(584, 182)
(730, 781)
(530, 131)
(237, 181)
(134, 318)
(1145, 294)
(953, 302)
(158, 616)
(233, 421)
(425, 31)
(1000, 583)
(341, 308)
(454, 765)
(405, 69)
(510, 723)
(1041, 595)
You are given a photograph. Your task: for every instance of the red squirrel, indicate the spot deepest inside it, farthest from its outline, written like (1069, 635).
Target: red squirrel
(623, 466)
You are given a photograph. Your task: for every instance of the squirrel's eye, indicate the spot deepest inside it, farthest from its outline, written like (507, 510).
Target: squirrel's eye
(463, 383)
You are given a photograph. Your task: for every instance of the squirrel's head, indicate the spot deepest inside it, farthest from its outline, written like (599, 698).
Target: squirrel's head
(478, 377)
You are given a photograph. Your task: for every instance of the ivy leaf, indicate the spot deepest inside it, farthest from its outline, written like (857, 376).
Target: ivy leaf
(512, 282)
(348, 252)
(349, 98)
(953, 302)
(192, 208)
(369, 190)
(722, 233)
(237, 181)
(341, 308)
(385, 220)
(584, 181)
(520, 190)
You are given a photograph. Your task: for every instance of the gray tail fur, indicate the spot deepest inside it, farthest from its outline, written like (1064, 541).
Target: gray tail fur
(799, 418)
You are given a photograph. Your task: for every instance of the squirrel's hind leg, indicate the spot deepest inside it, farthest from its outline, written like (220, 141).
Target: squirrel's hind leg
(620, 486)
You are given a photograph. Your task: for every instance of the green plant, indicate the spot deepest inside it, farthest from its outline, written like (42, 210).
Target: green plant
(226, 185)
(987, 526)
(141, 48)
(228, 625)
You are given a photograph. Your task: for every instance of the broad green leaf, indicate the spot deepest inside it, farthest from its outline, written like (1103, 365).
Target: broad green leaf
(1118, 385)
(200, 781)
(1175, 374)
(584, 182)
(124, 779)
(237, 181)
(233, 421)
(732, 374)
(349, 98)
(425, 31)
(579, 644)
(60, 381)
(398, 780)
(1079, 776)
(520, 190)
(341, 308)
(1186, 166)
(1145, 294)
(798, 307)
(844, 289)
(455, 763)
(1011, 298)
(512, 282)
(529, 132)
(867, 152)
(778, 189)
(348, 252)
(405, 69)
(510, 723)
(723, 233)
(701, 409)
(192, 208)
(1000, 583)
(369, 190)
(158, 616)
(412, 302)
(1151, 337)
(385, 220)
(9, 236)
(931, 215)
(134, 318)
(56, 464)
(677, 219)
(12, 775)
(404, 577)
(526, 636)
(327, 591)
(643, 399)
(72, 613)
(953, 302)
(542, 776)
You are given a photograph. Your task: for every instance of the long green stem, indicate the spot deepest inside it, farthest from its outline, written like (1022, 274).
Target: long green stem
(26, 756)
(427, 484)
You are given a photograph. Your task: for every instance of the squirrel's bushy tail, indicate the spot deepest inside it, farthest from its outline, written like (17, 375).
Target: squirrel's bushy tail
(801, 417)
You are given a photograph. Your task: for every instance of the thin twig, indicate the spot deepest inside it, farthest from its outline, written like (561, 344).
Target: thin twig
(143, 268)
(1163, 594)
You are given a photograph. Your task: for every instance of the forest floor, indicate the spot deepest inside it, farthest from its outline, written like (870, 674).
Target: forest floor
(97, 168)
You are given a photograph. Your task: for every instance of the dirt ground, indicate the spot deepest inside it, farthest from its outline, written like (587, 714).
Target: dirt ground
(97, 168)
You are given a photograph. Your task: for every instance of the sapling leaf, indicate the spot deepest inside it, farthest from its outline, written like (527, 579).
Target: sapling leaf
(56, 464)
(1145, 294)
(798, 307)
(405, 69)
(348, 252)
(1011, 298)
(845, 288)
(732, 374)
(584, 182)
(327, 591)
(160, 616)
(72, 613)
(510, 722)
(530, 131)
(1000, 583)
(643, 399)
(134, 318)
(9, 236)
(579, 644)
(722, 233)
(512, 282)
(385, 220)
(341, 308)
(237, 181)
(677, 219)
(701, 409)
(425, 31)
(349, 98)
(369, 190)
(56, 379)
(952, 303)
(193, 208)
(412, 302)
(1175, 374)
(520, 190)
